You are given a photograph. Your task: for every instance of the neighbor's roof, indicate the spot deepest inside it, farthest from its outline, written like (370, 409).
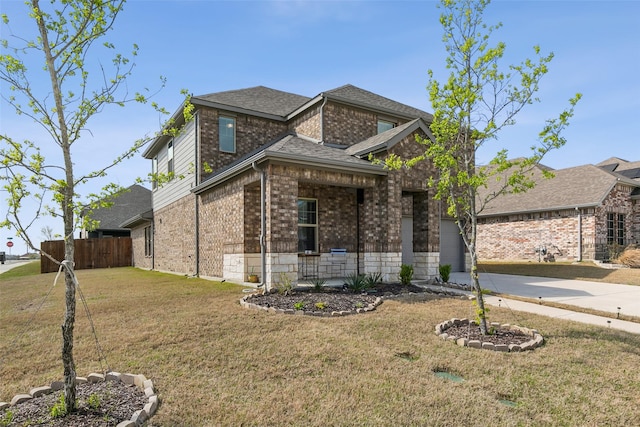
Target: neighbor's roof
(581, 186)
(132, 202)
(298, 150)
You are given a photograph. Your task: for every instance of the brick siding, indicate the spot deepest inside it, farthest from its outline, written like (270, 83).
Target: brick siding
(174, 237)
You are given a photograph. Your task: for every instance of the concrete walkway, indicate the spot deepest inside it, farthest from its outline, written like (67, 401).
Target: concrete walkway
(9, 264)
(600, 296)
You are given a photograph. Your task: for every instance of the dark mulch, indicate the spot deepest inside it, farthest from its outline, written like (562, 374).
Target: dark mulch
(498, 336)
(114, 402)
(333, 299)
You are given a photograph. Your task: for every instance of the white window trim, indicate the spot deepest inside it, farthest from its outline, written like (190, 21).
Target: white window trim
(314, 226)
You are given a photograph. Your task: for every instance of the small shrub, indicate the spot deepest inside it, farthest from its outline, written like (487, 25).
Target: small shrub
(59, 409)
(284, 286)
(93, 401)
(318, 284)
(630, 257)
(298, 305)
(6, 419)
(445, 272)
(406, 274)
(374, 279)
(357, 282)
(321, 305)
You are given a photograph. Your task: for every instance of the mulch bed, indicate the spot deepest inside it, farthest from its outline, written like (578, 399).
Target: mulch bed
(499, 336)
(114, 402)
(333, 299)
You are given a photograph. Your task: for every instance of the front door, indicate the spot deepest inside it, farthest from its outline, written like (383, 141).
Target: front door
(407, 240)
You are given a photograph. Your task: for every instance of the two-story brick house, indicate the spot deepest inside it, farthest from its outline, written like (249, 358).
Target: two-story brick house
(582, 213)
(292, 189)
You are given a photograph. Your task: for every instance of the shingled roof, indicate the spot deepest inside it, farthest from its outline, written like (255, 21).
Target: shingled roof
(581, 186)
(259, 99)
(134, 201)
(386, 140)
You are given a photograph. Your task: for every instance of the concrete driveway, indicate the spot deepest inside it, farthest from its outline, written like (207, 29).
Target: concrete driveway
(606, 297)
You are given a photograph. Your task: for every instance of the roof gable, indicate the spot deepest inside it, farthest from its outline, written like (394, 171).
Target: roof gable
(386, 140)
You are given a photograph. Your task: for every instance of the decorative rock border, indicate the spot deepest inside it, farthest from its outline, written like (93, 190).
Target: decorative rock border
(536, 339)
(137, 419)
(246, 303)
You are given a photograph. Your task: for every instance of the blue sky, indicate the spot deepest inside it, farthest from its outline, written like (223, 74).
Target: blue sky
(307, 47)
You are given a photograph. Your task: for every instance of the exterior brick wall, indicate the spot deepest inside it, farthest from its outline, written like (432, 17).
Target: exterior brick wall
(308, 124)
(138, 243)
(174, 237)
(251, 133)
(222, 225)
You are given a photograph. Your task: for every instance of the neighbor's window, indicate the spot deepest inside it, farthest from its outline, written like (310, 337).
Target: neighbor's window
(227, 131)
(154, 173)
(148, 242)
(170, 158)
(615, 229)
(385, 125)
(307, 225)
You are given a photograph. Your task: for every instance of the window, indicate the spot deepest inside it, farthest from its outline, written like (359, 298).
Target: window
(154, 173)
(227, 131)
(307, 225)
(384, 125)
(148, 242)
(170, 159)
(615, 229)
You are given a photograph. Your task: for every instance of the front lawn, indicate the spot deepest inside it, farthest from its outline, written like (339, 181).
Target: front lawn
(215, 363)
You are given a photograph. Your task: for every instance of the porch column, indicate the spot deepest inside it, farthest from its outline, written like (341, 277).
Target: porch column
(282, 226)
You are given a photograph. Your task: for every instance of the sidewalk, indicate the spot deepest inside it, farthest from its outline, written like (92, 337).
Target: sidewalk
(9, 264)
(595, 295)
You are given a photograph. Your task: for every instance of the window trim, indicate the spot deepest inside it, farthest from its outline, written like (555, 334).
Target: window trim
(234, 121)
(148, 241)
(170, 159)
(154, 173)
(309, 225)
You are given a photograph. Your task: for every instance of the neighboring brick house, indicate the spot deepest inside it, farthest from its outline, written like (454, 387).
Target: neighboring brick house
(292, 189)
(582, 213)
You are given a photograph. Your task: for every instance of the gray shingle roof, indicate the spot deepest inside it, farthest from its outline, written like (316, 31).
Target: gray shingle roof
(579, 186)
(303, 148)
(128, 204)
(352, 94)
(259, 99)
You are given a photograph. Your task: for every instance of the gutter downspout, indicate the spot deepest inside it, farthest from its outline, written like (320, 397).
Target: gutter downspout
(263, 225)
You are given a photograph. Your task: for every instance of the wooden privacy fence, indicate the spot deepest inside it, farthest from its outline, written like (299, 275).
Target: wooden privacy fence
(89, 253)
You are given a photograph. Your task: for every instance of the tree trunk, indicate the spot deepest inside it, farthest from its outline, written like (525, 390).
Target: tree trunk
(67, 338)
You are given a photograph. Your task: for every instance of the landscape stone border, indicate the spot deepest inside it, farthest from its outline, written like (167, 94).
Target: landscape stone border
(138, 418)
(246, 303)
(536, 339)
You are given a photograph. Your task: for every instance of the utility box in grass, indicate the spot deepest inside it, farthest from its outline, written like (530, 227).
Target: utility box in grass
(2, 257)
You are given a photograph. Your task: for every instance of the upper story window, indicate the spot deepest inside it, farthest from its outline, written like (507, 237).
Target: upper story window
(307, 225)
(154, 173)
(227, 131)
(385, 125)
(170, 159)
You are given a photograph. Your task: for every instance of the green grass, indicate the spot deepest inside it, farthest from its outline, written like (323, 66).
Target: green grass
(29, 269)
(215, 363)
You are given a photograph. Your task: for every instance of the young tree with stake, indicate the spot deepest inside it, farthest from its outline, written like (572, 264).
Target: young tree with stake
(68, 35)
(470, 108)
